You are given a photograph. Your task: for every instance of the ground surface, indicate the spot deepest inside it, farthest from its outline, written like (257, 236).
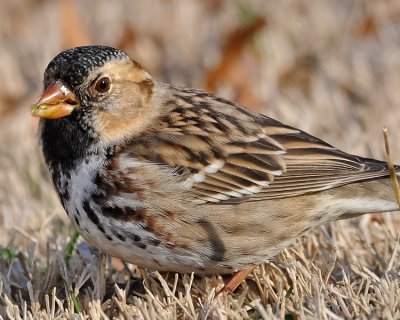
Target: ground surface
(331, 68)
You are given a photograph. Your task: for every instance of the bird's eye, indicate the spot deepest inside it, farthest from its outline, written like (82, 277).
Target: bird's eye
(103, 85)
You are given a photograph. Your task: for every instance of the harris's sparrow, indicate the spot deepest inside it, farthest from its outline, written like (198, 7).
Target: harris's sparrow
(181, 180)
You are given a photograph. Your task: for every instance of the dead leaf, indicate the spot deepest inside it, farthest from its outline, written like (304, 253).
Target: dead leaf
(299, 75)
(231, 52)
(74, 32)
(128, 38)
(368, 27)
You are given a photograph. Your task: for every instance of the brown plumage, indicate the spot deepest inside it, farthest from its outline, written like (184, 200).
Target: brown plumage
(181, 180)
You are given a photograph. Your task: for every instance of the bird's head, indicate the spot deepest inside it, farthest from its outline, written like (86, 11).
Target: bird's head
(96, 89)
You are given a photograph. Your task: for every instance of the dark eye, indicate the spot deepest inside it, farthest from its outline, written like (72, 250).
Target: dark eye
(103, 85)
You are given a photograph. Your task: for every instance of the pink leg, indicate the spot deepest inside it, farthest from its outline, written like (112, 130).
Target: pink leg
(236, 279)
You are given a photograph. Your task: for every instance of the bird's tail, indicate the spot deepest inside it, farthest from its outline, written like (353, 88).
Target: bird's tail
(369, 197)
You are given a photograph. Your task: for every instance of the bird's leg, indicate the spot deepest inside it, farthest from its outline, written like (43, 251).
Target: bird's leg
(236, 279)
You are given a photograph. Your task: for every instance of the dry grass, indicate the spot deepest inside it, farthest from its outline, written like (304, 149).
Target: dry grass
(331, 68)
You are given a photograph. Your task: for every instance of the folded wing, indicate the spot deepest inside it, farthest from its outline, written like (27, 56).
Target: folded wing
(224, 152)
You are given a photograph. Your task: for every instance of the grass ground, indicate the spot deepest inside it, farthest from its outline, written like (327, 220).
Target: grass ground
(331, 68)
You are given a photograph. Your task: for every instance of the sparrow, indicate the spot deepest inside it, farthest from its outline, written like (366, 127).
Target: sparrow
(176, 179)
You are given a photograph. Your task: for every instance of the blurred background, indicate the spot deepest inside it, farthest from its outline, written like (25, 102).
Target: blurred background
(331, 68)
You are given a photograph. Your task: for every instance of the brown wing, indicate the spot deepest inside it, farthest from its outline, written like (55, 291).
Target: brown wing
(225, 152)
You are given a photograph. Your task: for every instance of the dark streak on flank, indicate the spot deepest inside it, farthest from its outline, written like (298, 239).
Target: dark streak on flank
(154, 242)
(90, 213)
(100, 227)
(215, 241)
(140, 245)
(170, 245)
(106, 189)
(64, 196)
(125, 214)
(135, 214)
(157, 262)
(119, 236)
(114, 212)
(77, 221)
